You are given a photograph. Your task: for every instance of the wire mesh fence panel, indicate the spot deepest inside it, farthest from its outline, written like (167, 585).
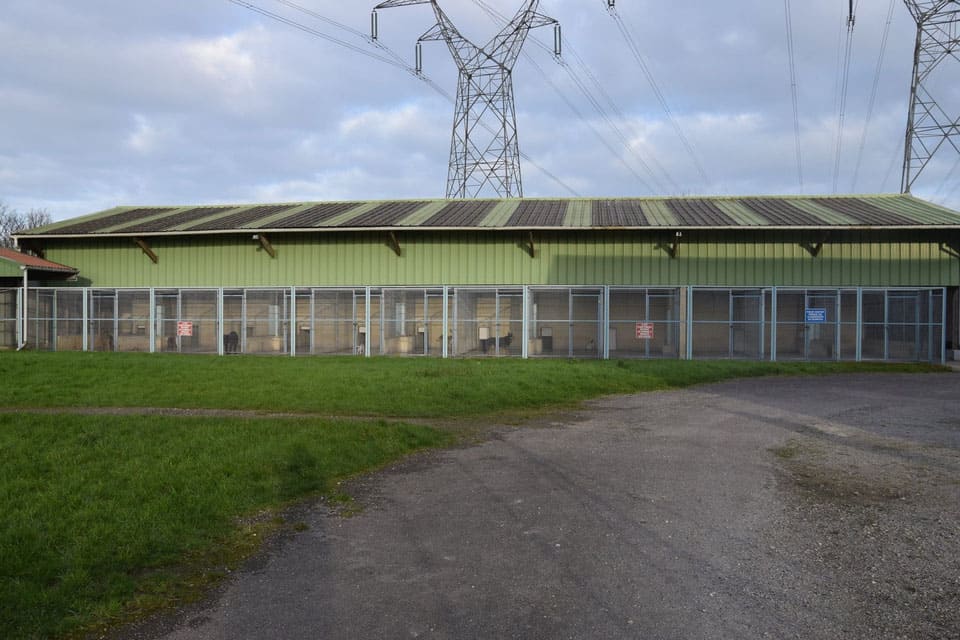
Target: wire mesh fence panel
(102, 320)
(487, 322)
(585, 331)
(508, 333)
(133, 320)
(873, 338)
(433, 330)
(41, 320)
(807, 324)
(303, 322)
(728, 323)
(233, 320)
(711, 323)
(550, 322)
(404, 321)
(643, 323)
(266, 327)
(337, 318)
(848, 325)
(746, 324)
(198, 327)
(67, 324)
(476, 321)
(8, 318)
(903, 325)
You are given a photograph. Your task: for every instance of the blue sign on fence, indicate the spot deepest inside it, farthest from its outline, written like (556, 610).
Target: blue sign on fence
(815, 316)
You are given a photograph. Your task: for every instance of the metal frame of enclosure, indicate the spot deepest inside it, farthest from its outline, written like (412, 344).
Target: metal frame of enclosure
(756, 323)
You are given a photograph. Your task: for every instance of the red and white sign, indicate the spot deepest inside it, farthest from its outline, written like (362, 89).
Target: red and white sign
(185, 329)
(644, 331)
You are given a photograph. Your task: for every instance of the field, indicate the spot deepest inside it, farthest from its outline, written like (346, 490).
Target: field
(132, 482)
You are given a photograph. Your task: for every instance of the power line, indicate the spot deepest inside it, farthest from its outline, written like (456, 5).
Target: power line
(844, 85)
(657, 92)
(898, 155)
(315, 32)
(620, 116)
(592, 99)
(873, 96)
(946, 180)
(794, 89)
(360, 34)
(394, 59)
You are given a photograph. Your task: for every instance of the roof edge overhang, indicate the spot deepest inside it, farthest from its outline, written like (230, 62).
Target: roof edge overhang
(521, 229)
(47, 266)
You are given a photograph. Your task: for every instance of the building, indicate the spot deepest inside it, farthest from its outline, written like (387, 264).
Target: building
(798, 277)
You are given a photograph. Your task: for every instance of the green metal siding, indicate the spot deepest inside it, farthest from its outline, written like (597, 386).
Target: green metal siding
(478, 258)
(10, 269)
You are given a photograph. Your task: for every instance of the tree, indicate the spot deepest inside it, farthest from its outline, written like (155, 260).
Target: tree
(13, 222)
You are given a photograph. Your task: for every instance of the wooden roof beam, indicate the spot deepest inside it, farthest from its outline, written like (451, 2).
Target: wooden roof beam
(140, 242)
(816, 246)
(395, 244)
(528, 245)
(951, 247)
(265, 244)
(671, 247)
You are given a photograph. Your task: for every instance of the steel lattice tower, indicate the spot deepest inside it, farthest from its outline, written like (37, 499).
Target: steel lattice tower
(484, 152)
(929, 126)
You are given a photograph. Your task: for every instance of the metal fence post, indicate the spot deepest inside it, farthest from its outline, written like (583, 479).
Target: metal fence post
(293, 322)
(525, 330)
(220, 325)
(859, 356)
(605, 330)
(773, 324)
(445, 340)
(366, 322)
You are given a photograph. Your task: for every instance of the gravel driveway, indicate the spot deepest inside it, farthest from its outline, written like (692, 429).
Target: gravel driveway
(823, 507)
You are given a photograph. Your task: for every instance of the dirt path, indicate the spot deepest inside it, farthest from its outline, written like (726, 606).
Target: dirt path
(781, 507)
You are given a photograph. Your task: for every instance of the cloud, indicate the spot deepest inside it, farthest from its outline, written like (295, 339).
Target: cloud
(146, 137)
(117, 102)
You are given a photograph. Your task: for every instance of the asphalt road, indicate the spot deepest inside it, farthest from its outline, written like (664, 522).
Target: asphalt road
(662, 515)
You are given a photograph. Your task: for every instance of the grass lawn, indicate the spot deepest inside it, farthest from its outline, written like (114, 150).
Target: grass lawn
(350, 386)
(100, 511)
(106, 517)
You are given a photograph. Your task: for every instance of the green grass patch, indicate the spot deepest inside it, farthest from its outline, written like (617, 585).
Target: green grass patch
(100, 512)
(400, 387)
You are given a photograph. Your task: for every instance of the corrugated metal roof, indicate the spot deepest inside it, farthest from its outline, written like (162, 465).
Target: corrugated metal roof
(174, 220)
(866, 212)
(100, 223)
(242, 217)
(700, 213)
(782, 212)
(314, 215)
(387, 214)
(539, 213)
(619, 213)
(760, 212)
(461, 214)
(33, 262)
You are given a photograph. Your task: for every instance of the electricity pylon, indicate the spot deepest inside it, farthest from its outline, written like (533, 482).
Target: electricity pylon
(484, 152)
(929, 126)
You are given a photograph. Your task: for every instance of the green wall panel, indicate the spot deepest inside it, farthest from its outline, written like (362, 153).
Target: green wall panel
(483, 258)
(10, 269)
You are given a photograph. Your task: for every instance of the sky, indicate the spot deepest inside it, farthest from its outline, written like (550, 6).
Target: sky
(112, 102)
